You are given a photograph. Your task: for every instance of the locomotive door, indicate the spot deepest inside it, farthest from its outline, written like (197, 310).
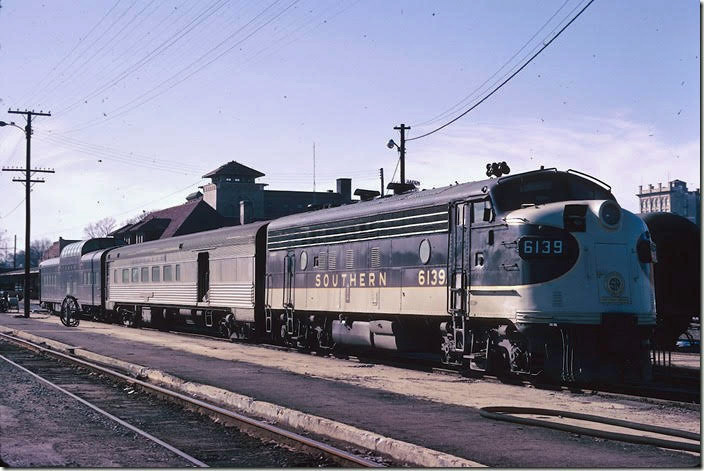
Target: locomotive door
(458, 249)
(289, 299)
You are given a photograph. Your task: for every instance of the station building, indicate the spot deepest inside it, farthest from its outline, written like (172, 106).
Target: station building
(232, 197)
(671, 198)
(235, 194)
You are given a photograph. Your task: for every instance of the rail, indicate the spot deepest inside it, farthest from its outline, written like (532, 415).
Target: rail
(337, 454)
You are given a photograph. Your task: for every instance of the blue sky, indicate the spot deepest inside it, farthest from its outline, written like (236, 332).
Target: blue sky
(142, 109)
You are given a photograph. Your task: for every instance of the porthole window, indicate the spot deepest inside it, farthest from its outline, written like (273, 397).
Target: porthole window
(304, 260)
(424, 251)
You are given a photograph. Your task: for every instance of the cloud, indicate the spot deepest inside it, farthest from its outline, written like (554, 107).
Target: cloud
(624, 153)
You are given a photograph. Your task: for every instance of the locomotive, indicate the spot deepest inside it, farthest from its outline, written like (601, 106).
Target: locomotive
(538, 273)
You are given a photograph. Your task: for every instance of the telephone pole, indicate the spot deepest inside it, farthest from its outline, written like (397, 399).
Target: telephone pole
(381, 175)
(14, 255)
(27, 180)
(402, 150)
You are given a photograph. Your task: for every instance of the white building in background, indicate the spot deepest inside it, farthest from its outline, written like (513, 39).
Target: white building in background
(671, 198)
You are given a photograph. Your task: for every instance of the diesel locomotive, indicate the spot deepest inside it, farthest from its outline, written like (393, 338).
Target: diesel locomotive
(539, 273)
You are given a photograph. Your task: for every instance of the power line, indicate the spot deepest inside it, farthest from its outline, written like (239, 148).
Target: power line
(506, 80)
(205, 14)
(145, 98)
(67, 68)
(457, 105)
(58, 64)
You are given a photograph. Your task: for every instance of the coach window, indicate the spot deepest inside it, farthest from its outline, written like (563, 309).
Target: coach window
(177, 273)
(114, 276)
(167, 272)
(145, 274)
(155, 274)
(125, 275)
(135, 275)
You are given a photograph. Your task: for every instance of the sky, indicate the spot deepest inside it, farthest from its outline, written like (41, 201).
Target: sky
(147, 96)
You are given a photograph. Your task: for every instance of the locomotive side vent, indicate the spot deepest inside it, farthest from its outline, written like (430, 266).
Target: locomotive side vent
(322, 261)
(349, 259)
(557, 299)
(375, 257)
(332, 260)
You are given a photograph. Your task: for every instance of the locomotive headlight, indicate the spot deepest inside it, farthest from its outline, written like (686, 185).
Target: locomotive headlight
(610, 214)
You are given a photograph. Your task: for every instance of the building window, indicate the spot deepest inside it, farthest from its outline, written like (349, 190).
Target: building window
(145, 274)
(178, 273)
(140, 238)
(167, 272)
(155, 274)
(125, 275)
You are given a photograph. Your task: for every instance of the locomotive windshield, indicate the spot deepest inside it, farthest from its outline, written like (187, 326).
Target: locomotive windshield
(546, 187)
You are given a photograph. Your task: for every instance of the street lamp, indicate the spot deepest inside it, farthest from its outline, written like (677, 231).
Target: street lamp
(11, 123)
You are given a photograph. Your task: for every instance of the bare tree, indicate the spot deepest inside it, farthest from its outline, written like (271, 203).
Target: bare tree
(100, 228)
(137, 218)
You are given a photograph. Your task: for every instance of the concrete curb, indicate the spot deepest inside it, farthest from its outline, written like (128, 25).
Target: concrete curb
(398, 450)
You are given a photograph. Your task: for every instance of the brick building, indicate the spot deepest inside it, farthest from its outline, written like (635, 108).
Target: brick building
(671, 198)
(235, 194)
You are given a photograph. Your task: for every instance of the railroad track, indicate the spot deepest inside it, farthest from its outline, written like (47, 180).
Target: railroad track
(678, 389)
(198, 440)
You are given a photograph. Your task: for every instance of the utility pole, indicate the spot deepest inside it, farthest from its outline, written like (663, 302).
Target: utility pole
(313, 167)
(381, 175)
(402, 150)
(14, 255)
(27, 180)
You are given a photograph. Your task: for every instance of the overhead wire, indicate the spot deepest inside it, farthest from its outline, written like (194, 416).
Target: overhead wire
(183, 32)
(165, 167)
(58, 80)
(141, 206)
(469, 96)
(145, 97)
(109, 151)
(152, 35)
(482, 100)
(68, 54)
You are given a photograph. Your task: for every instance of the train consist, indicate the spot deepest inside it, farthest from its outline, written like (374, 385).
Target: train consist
(539, 273)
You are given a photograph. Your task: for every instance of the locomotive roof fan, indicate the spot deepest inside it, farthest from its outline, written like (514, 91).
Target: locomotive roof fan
(497, 169)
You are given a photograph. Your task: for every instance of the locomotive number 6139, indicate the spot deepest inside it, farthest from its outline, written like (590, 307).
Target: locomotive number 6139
(540, 247)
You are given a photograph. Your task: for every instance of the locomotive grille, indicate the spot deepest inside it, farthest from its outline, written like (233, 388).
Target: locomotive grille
(323, 261)
(557, 298)
(376, 257)
(332, 260)
(349, 259)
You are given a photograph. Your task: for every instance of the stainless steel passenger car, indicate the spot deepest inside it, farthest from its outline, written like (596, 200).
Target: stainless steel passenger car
(213, 279)
(77, 272)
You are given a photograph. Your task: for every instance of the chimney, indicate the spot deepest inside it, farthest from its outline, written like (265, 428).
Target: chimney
(344, 187)
(245, 212)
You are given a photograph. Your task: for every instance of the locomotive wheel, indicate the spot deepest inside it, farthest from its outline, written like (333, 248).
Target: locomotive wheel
(70, 313)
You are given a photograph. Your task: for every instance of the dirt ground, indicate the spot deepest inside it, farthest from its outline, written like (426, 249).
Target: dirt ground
(436, 387)
(41, 427)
